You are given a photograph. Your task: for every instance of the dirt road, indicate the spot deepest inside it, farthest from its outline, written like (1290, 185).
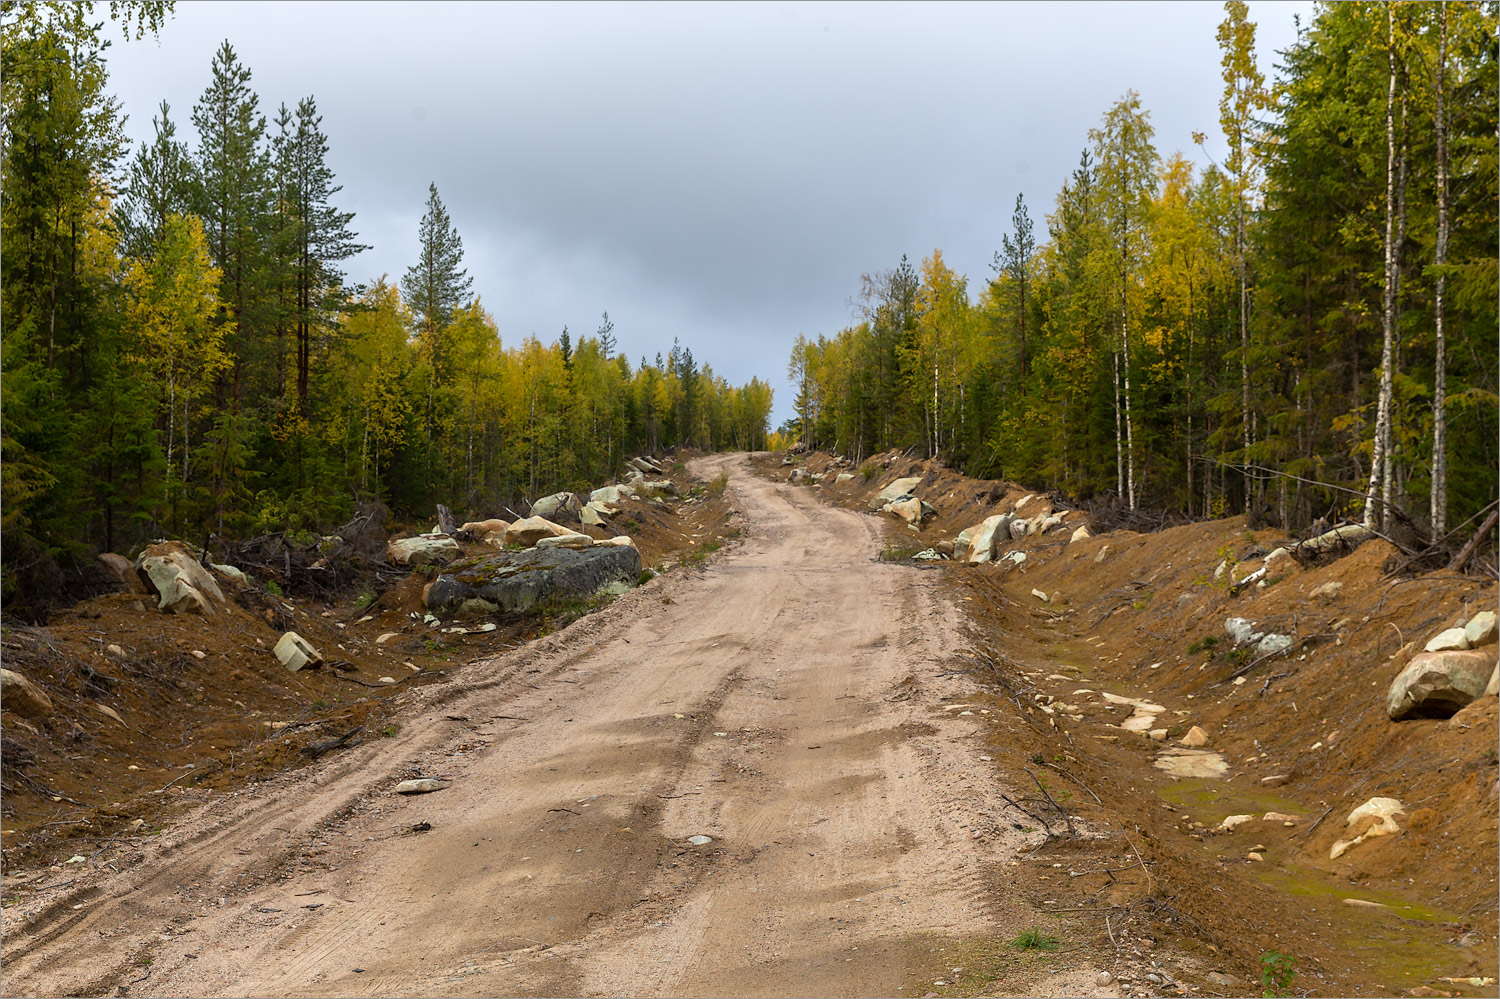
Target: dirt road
(780, 700)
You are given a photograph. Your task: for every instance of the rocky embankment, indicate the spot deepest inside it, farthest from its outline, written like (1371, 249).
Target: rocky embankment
(1293, 734)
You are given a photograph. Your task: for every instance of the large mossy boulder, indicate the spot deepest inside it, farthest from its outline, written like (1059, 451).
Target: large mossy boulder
(518, 581)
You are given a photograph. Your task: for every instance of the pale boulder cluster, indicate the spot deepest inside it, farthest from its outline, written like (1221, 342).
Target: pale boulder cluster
(543, 528)
(1456, 667)
(900, 498)
(1031, 515)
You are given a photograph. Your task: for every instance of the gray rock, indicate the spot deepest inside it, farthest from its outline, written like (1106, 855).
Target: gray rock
(424, 549)
(295, 652)
(700, 840)
(961, 543)
(1019, 529)
(606, 498)
(1222, 980)
(592, 514)
(645, 465)
(930, 555)
(517, 581)
(653, 487)
(1082, 534)
(20, 695)
(1241, 631)
(230, 572)
(1481, 629)
(843, 477)
(1438, 684)
(1328, 590)
(1104, 979)
(558, 506)
(120, 570)
(1273, 643)
(420, 785)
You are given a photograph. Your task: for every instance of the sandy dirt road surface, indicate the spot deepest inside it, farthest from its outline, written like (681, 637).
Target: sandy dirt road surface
(779, 700)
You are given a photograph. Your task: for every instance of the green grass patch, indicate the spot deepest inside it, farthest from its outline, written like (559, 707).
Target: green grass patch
(1035, 939)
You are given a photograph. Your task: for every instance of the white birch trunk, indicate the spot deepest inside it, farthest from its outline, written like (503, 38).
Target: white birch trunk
(1379, 463)
(1439, 491)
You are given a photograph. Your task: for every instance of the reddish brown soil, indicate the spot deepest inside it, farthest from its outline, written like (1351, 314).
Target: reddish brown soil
(191, 727)
(1125, 622)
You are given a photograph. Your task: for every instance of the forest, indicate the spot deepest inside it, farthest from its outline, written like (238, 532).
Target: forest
(184, 355)
(1305, 330)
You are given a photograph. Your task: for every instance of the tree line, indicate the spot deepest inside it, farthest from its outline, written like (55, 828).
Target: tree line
(1305, 330)
(184, 355)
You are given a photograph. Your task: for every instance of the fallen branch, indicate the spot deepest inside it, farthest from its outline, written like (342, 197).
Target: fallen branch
(1073, 779)
(1060, 810)
(1468, 549)
(313, 750)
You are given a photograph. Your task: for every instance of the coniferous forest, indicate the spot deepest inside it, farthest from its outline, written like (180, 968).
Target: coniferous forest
(1305, 330)
(185, 355)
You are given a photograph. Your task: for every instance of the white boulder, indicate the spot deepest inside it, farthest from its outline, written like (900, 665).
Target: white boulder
(1451, 640)
(424, 549)
(566, 541)
(179, 579)
(295, 652)
(530, 530)
(897, 489)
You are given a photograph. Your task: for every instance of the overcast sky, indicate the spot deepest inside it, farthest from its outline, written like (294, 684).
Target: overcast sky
(718, 173)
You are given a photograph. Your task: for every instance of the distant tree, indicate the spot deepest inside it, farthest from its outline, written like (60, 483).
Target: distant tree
(437, 284)
(318, 236)
(159, 183)
(606, 334)
(234, 201)
(1014, 261)
(1127, 183)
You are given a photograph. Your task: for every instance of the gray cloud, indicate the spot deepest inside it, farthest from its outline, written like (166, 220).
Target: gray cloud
(719, 173)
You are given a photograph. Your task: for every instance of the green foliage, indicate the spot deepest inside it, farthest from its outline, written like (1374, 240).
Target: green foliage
(1206, 642)
(199, 366)
(1035, 939)
(273, 588)
(1117, 343)
(894, 552)
(1277, 971)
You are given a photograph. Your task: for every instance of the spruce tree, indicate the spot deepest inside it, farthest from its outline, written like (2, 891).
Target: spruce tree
(437, 283)
(233, 201)
(318, 235)
(159, 183)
